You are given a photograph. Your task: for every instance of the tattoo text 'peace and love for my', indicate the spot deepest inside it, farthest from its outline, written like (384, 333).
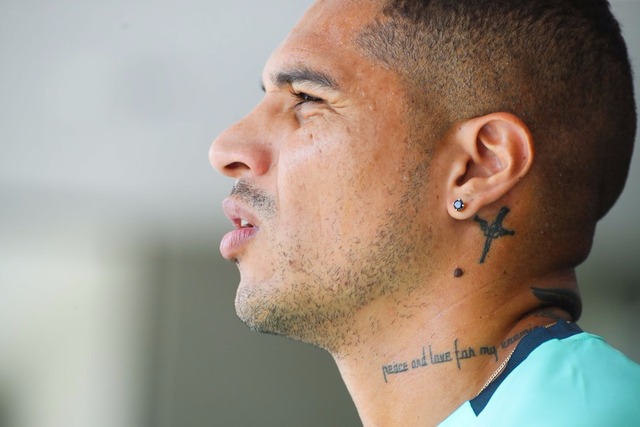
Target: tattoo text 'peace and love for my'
(456, 354)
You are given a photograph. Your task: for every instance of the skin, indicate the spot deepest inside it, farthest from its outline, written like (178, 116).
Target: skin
(344, 185)
(355, 239)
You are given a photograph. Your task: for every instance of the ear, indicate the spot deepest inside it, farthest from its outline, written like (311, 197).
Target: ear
(492, 153)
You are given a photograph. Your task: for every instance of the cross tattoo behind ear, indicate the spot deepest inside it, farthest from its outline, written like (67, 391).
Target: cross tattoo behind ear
(493, 231)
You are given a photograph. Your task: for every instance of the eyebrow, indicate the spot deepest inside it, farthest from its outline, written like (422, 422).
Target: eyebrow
(304, 75)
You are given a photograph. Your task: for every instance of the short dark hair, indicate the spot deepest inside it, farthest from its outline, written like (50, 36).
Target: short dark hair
(560, 65)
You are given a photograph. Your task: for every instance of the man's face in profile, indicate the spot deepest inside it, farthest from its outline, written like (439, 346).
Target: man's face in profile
(329, 192)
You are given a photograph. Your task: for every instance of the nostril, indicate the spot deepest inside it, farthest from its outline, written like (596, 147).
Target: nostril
(236, 166)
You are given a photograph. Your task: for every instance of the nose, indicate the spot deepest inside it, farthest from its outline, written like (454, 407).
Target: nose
(241, 151)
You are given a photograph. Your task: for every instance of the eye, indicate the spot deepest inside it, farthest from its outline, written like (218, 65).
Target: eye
(304, 98)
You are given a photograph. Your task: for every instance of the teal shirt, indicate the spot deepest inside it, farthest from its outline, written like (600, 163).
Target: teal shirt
(558, 377)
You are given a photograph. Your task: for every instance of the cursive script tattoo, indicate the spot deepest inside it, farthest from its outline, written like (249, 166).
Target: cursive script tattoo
(394, 368)
(515, 338)
(457, 354)
(566, 299)
(432, 357)
(493, 231)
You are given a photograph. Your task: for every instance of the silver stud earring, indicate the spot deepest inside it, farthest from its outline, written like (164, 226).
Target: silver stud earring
(458, 205)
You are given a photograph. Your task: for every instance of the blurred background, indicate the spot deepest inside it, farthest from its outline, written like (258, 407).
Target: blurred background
(116, 309)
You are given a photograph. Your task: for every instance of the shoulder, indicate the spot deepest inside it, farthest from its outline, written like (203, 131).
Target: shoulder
(578, 380)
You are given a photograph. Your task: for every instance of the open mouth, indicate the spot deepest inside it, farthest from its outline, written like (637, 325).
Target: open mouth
(243, 223)
(245, 228)
(233, 243)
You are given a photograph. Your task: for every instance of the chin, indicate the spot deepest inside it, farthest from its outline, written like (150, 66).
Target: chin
(259, 310)
(295, 315)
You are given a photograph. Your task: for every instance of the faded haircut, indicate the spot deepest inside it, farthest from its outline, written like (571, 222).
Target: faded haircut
(560, 65)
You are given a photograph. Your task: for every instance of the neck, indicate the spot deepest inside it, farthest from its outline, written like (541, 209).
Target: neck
(416, 362)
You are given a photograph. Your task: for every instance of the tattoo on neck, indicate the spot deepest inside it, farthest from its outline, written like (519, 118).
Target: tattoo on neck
(431, 357)
(493, 231)
(515, 338)
(563, 298)
(456, 354)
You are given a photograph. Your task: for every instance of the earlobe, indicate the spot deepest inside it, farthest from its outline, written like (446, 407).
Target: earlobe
(494, 153)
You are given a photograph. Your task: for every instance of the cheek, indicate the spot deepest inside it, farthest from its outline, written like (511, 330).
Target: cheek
(341, 184)
(319, 181)
(316, 159)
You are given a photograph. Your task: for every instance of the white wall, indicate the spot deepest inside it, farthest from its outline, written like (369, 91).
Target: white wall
(115, 307)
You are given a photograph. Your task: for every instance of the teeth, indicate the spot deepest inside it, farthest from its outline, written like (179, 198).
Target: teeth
(244, 223)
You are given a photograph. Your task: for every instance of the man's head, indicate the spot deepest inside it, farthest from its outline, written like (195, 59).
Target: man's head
(378, 115)
(327, 180)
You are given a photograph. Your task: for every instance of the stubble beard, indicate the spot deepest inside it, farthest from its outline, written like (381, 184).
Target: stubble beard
(314, 301)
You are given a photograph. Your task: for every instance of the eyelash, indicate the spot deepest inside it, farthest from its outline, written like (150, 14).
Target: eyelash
(303, 98)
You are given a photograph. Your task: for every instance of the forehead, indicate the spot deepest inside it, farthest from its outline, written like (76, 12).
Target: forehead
(326, 37)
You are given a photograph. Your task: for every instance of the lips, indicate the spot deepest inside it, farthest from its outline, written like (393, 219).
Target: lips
(246, 227)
